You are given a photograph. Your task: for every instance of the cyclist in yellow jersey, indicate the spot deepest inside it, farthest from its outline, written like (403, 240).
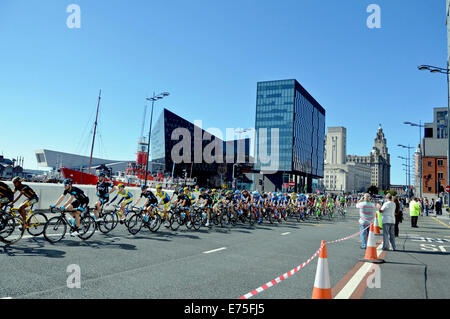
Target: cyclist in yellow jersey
(127, 198)
(165, 200)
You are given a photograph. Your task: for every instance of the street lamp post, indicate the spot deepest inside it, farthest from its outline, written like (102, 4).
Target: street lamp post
(420, 126)
(409, 167)
(435, 69)
(153, 99)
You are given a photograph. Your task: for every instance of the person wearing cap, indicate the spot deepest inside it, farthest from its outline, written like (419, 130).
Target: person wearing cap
(127, 198)
(6, 195)
(25, 190)
(204, 200)
(366, 214)
(184, 202)
(77, 200)
(165, 200)
(103, 192)
(150, 200)
(388, 221)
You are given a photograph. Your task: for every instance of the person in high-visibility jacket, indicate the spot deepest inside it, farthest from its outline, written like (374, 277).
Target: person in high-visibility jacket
(414, 211)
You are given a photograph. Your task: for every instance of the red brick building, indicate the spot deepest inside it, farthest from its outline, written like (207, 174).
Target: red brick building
(434, 170)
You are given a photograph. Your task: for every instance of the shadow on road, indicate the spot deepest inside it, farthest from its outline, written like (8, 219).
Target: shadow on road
(31, 251)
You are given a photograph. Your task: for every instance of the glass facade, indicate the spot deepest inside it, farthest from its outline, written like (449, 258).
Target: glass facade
(285, 105)
(162, 145)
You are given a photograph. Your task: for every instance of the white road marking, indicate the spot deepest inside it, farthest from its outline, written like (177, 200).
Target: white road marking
(284, 234)
(6, 298)
(213, 251)
(354, 282)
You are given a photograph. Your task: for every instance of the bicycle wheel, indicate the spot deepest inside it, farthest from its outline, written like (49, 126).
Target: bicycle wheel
(115, 220)
(105, 224)
(197, 220)
(11, 229)
(135, 224)
(36, 223)
(154, 223)
(252, 218)
(87, 227)
(175, 221)
(55, 229)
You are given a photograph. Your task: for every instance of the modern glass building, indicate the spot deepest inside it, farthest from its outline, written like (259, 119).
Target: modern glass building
(285, 109)
(169, 157)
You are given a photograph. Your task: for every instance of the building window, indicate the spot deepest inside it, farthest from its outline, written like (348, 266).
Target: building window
(440, 162)
(429, 164)
(440, 175)
(430, 189)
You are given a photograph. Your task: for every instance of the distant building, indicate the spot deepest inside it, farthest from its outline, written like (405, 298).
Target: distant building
(182, 148)
(55, 160)
(434, 158)
(284, 109)
(379, 162)
(341, 176)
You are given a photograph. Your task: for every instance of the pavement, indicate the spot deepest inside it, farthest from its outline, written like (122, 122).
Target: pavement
(227, 263)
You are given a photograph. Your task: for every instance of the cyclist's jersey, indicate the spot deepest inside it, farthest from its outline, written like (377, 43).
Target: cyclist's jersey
(126, 194)
(26, 191)
(183, 197)
(6, 192)
(190, 196)
(165, 198)
(78, 194)
(246, 197)
(207, 198)
(149, 195)
(257, 199)
(103, 188)
(343, 199)
(237, 197)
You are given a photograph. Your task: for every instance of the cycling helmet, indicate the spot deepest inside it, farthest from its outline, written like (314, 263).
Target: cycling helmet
(121, 185)
(236, 192)
(68, 181)
(17, 179)
(158, 187)
(201, 190)
(101, 174)
(181, 190)
(143, 187)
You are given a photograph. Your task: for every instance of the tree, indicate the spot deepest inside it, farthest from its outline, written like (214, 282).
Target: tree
(373, 190)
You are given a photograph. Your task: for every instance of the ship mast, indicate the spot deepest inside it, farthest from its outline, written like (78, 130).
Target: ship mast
(95, 129)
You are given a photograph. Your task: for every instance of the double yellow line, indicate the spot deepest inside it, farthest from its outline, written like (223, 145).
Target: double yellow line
(440, 222)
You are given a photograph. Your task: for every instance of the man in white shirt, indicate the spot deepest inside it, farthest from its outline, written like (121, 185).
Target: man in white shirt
(388, 220)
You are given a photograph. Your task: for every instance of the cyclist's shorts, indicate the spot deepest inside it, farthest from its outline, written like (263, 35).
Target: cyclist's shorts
(31, 201)
(103, 200)
(166, 205)
(76, 203)
(127, 201)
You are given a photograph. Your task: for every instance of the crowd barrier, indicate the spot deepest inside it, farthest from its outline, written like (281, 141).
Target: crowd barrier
(322, 286)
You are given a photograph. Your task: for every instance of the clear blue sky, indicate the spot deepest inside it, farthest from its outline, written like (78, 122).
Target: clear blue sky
(209, 55)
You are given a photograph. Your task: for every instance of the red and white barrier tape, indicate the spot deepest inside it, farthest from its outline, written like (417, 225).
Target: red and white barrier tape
(281, 278)
(295, 270)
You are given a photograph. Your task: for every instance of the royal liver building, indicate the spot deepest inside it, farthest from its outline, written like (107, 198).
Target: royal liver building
(378, 160)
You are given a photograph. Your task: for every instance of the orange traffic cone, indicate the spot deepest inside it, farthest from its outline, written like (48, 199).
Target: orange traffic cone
(322, 288)
(371, 249)
(376, 226)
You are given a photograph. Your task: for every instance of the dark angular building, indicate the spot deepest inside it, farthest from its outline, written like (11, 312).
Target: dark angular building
(179, 147)
(286, 109)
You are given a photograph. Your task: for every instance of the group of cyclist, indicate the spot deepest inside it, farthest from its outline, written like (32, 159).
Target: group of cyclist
(212, 201)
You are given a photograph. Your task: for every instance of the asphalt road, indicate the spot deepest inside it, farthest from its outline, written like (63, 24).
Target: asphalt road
(223, 263)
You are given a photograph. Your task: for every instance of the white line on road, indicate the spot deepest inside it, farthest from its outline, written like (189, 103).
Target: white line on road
(284, 234)
(213, 251)
(354, 282)
(6, 298)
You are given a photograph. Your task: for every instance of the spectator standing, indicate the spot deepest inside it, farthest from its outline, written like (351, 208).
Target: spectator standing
(398, 215)
(426, 206)
(433, 206)
(439, 206)
(414, 212)
(388, 220)
(366, 214)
